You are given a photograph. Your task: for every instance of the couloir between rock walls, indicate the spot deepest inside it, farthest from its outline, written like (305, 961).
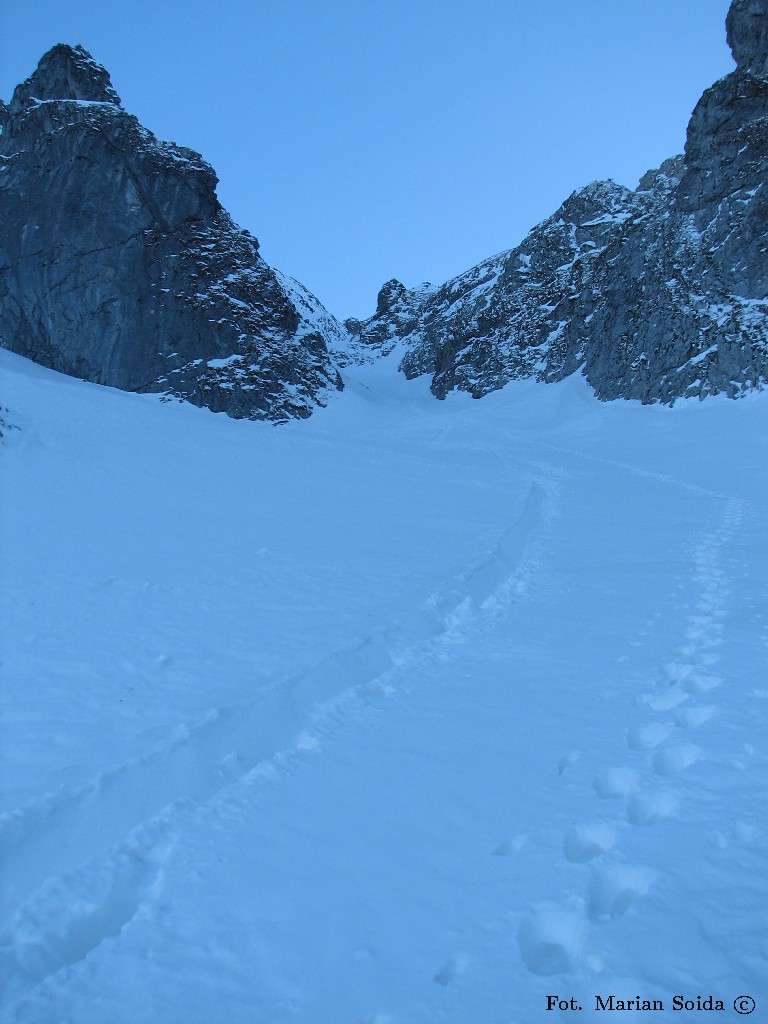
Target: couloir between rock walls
(120, 266)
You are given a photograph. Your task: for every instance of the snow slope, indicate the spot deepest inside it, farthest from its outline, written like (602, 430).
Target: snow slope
(414, 712)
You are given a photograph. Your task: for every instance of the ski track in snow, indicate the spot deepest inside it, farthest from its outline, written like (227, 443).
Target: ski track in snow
(555, 938)
(664, 478)
(134, 813)
(103, 881)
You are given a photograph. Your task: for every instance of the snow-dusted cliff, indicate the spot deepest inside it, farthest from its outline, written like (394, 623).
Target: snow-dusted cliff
(655, 294)
(120, 266)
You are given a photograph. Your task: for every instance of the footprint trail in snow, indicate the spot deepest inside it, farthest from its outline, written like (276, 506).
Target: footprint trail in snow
(504, 735)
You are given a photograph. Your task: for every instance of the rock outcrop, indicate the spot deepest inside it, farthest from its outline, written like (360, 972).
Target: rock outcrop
(654, 294)
(746, 29)
(6, 426)
(119, 265)
(397, 315)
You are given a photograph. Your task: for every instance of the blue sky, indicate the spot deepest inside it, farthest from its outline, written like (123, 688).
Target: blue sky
(361, 141)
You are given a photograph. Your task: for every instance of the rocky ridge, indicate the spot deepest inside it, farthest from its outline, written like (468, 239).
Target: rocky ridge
(120, 266)
(655, 294)
(397, 315)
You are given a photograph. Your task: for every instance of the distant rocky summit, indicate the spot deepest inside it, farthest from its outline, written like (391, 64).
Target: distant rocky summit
(119, 265)
(653, 294)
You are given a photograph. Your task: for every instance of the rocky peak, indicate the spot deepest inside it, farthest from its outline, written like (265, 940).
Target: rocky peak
(747, 33)
(65, 73)
(121, 267)
(391, 294)
(397, 315)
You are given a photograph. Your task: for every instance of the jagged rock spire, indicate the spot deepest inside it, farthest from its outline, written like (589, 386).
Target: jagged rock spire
(747, 33)
(66, 73)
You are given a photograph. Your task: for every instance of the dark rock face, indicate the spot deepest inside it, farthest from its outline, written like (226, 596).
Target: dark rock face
(65, 73)
(397, 316)
(727, 143)
(747, 33)
(511, 316)
(654, 294)
(120, 266)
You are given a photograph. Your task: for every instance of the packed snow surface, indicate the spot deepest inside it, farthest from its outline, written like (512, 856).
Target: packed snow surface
(414, 712)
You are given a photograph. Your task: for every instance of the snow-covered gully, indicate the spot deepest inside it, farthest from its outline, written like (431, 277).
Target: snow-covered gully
(417, 712)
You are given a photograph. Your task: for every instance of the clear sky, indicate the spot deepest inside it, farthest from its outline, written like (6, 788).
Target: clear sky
(363, 140)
